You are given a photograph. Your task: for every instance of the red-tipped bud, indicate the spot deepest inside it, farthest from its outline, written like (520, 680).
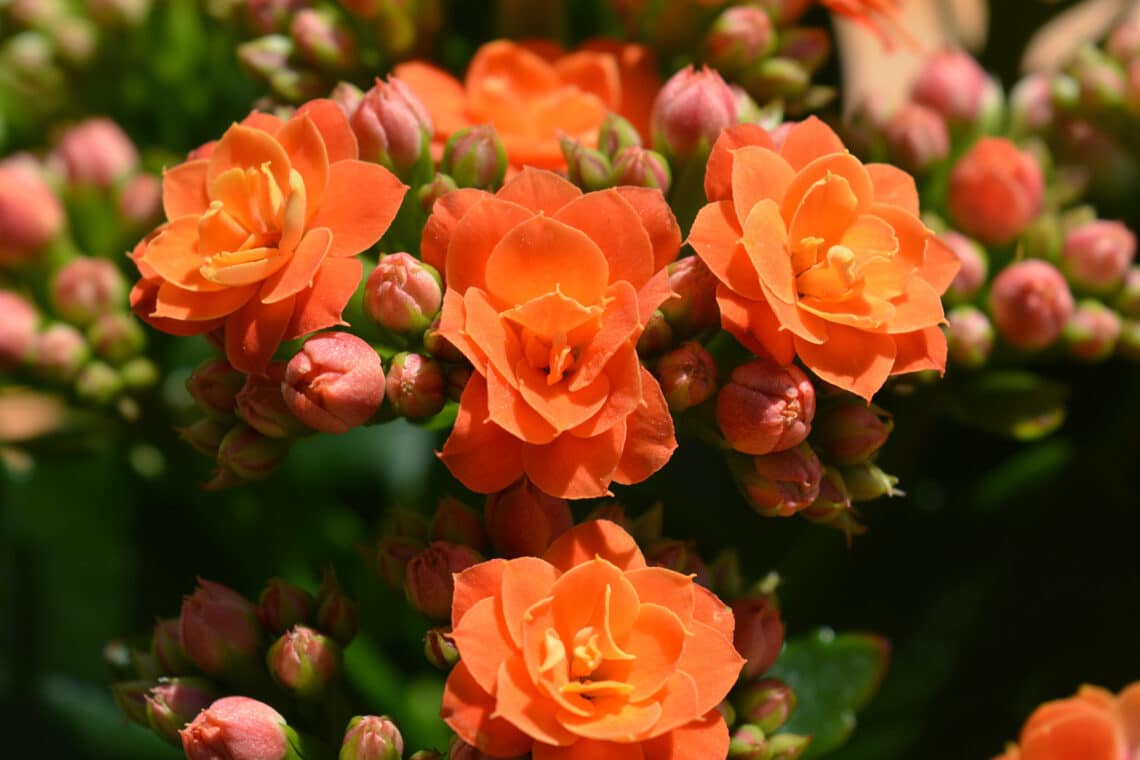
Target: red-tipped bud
(440, 649)
(995, 191)
(140, 203)
(656, 337)
(214, 386)
(587, 168)
(96, 152)
(616, 134)
(429, 193)
(322, 40)
(809, 47)
(303, 661)
(429, 583)
(237, 728)
(748, 743)
(393, 127)
(334, 383)
(86, 288)
(969, 336)
(975, 265)
(475, 157)
(759, 633)
(283, 605)
(439, 347)
(372, 738)
(130, 698)
(205, 435)
(174, 703)
(833, 506)
(695, 309)
(765, 407)
(787, 746)
(917, 137)
(262, 405)
(1030, 302)
(336, 611)
(767, 704)
(219, 629)
(687, 375)
(1031, 104)
(30, 214)
(249, 454)
(740, 36)
(17, 329)
(690, 112)
(680, 557)
(458, 523)
(392, 558)
(954, 85)
(523, 521)
(403, 294)
(166, 647)
(643, 168)
(866, 481)
(60, 352)
(348, 97)
(782, 483)
(851, 431)
(1097, 255)
(416, 386)
(116, 337)
(1091, 333)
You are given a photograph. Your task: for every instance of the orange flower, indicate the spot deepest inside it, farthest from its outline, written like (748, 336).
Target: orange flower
(882, 17)
(547, 292)
(262, 227)
(588, 654)
(533, 93)
(822, 257)
(1092, 725)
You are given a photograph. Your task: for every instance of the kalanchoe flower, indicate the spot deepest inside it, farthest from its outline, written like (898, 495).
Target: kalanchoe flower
(1030, 302)
(429, 583)
(304, 662)
(694, 310)
(372, 738)
(457, 523)
(1092, 331)
(953, 84)
(849, 431)
(283, 605)
(995, 191)
(336, 613)
(261, 404)
(975, 265)
(759, 634)
(765, 407)
(917, 137)
(238, 728)
(641, 167)
(334, 383)
(523, 521)
(1097, 255)
(17, 329)
(1094, 724)
(96, 152)
(739, 37)
(475, 157)
(416, 386)
(766, 704)
(777, 78)
(175, 702)
(403, 294)
(690, 112)
(30, 214)
(1031, 107)
(249, 454)
(439, 648)
(60, 352)
(219, 629)
(393, 127)
(687, 375)
(86, 288)
(969, 336)
(782, 483)
(166, 647)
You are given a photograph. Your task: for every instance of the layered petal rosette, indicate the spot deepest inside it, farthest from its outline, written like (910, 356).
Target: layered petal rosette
(262, 227)
(588, 654)
(547, 293)
(821, 257)
(1094, 724)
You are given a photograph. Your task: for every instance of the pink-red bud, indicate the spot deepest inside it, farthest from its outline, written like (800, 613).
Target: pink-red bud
(392, 558)
(1030, 302)
(336, 611)
(1031, 104)
(140, 203)
(1097, 255)
(475, 157)
(176, 702)
(393, 126)
(690, 111)
(917, 136)
(372, 738)
(250, 454)
(969, 336)
(439, 347)
(615, 134)
(995, 191)
(680, 557)
(166, 647)
(60, 352)
(416, 386)
(695, 309)
(759, 633)
(687, 375)
(523, 521)
(17, 329)
(334, 383)
(748, 742)
(458, 523)
(430, 192)
(975, 266)
(322, 39)
(96, 152)
(739, 37)
(303, 661)
(214, 386)
(767, 704)
(130, 697)
(219, 629)
(116, 337)
(283, 605)
(765, 407)
(782, 483)
(641, 167)
(205, 435)
(429, 583)
(30, 214)
(403, 294)
(261, 404)
(237, 728)
(267, 16)
(86, 288)
(851, 431)
(1092, 331)
(954, 85)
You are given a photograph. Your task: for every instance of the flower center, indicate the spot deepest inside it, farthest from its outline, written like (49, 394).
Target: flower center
(554, 355)
(830, 278)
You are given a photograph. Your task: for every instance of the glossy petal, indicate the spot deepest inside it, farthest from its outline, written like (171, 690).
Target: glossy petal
(306, 148)
(507, 409)
(670, 589)
(649, 437)
(575, 468)
(1128, 708)
(620, 322)
(809, 140)
(468, 710)
(698, 740)
(473, 238)
(445, 214)
(518, 700)
(301, 271)
(614, 720)
(939, 264)
(557, 404)
(184, 189)
(254, 332)
(615, 227)
(658, 220)
(322, 305)
(713, 662)
(718, 171)
(542, 255)
(920, 350)
(483, 456)
(919, 307)
(594, 594)
(485, 327)
(851, 359)
(484, 642)
(330, 121)
(716, 236)
(678, 700)
(359, 204)
(249, 148)
(526, 581)
(894, 186)
(710, 610)
(765, 240)
(172, 302)
(588, 749)
(539, 190)
(474, 584)
(595, 538)
(758, 174)
(825, 210)
(656, 642)
(754, 324)
(624, 373)
(173, 255)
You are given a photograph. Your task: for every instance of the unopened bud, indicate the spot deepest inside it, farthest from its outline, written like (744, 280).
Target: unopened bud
(251, 455)
(690, 111)
(283, 605)
(30, 214)
(238, 728)
(776, 78)
(392, 557)
(439, 346)
(116, 337)
(304, 662)
(739, 37)
(17, 329)
(767, 704)
(833, 497)
(1030, 302)
(1127, 301)
(1031, 104)
(98, 383)
(765, 407)
(166, 647)
(759, 633)
(475, 157)
(457, 378)
(851, 431)
(271, 15)
(808, 46)
(336, 611)
(322, 40)
(680, 557)
(96, 152)
(393, 127)
(865, 481)
(642, 167)
(265, 56)
(347, 96)
(782, 483)
(60, 352)
(917, 136)
(403, 294)
(975, 265)
(656, 337)
(748, 743)
(86, 288)
(334, 383)
(219, 629)
(787, 746)
(261, 404)
(214, 386)
(616, 134)
(176, 702)
(130, 698)
(426, 754)
(1101, 79)
(429, 583)
(458, 523)
(416, 387)
(587, 168)
(1097, 255)
(953, 84)
(140, 203)
(139, 373)
(695, 309)
(687, 375)
(440, 649)
(205, 435)
(372, 738)
(995, 191)
(1092, 331)
(969, 336)
(523, 521)
(429, 193)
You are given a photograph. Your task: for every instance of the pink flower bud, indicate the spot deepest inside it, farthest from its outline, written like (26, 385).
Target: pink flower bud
(303, 661)
(1092, 331)
(777, 78)
(261, 404)
(336, 611)
(641, 167)
(322, 40)
(86, 288)
(690, 112)
(759, 633)
(166, 647)
(173, 703)
(833, 506)
(767, 704)
(214, 386)
(615, 134)
(116, 337)
(429, 583)
(429, 193)
(416, 386)
(458, 523)
(1030, 302)
(236, 728)
(917, 136)
(656, 337)
(392, 558)
(440, 347)
(475, 157)
(695, 309)
(283, 605)
(739, 37)
(96, 152)
(782, 483)
(995, 191)
(250, 454)
(219, 629)
(440, 649)
(348, 96)
(954, 85)
(393, 126)
(1098, 254)
(140, 203)
(808, 47)
(403, 294)
(969, 336)
(975, 266)
(587, 168)
(372, 738)
(60, 352)
(1127, 301)
(30, 214)
(687, 375)
(748, 742)
(850, 431)
(334, 383)
(1031, 104)
(523, 521)
(17, 329)
(765, 407)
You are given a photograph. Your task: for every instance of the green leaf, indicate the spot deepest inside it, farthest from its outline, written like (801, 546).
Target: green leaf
(1013, 403)
(833, 676)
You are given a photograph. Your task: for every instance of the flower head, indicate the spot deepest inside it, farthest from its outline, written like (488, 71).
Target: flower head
(1093, 725)
(822, 257)
(589, 653)
(262, 227)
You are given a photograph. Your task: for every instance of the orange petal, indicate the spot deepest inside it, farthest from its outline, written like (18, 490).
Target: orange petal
(254, 332)
(536, 153)
(765, 240)
(453, 327)
(519, 701)
(670, 589)
(568, 110)
(445, 214)
(484, 642)
(939, 264)
(575, 468)
(473, 238)
(596, 595)
(172, 302)
(588, 749)
(894, 186)
(249, 148)
(658, 220)
(480, 454)
(754, 324)
(542, 255)
(825, 208)
(526, 581)
(301, 271)
(913, 235)
(358, 206)
(615, 227)
(678, 700)
(699, 740)
(173, 255)
(614, 720)
(266, 122)
(652, 294)
(1128, 708)
(713, 662)
(656, 641)
(649, 440)
(809, 140)
(640, 81)
(619, 324)
(556, 403)
(596, 538)
(441, 93)
(143, 298)
(508, 410)
(595, 73)
(468, 710)
(716, 236)
(919, 307)
(710, 610)
(302, 141)
(184, 189)
(330, 121)
(1073, 730)
(718, 171)
(322, 305)
(920, 350)
(623, 398)
(758, 174)
(539, 190)
(551, 313)
(485, 327)
(852, 359)
(474, 584)
(503, 64)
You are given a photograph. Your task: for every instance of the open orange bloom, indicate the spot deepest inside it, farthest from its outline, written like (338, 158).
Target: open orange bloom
(531, 93)
(822, 257)
(882, 17)
(1092, 725)
(548, 291)
(588, 654)
(262, 227)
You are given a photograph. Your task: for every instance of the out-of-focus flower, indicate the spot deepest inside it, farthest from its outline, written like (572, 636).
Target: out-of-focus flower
(249, 454)
(403, 294)
(917, 136)
(547, 293)
(691, 111)
(1092, 331)
(969, 336)
(523, 521)
(822, 257)
(687, 375)
(1030, 302)
(219, 629)
(96, 152)
(883, 17)
(589, 653)
(781, 483)
(975, 266)
(1097, 255)
(1031, 104)
(393, 126)
(262, 229)
(166, 647)
(60, 352)
(141, 200)
(740, 36)
(323, 39)
(531, 93)
(372, 738)
(587, 168)
(116, 336)
(765, 407)
(334, 383)
(1092, 725)
(237, 728)
(995, 191)
(17, 329)
(30, 214)
(953, 84)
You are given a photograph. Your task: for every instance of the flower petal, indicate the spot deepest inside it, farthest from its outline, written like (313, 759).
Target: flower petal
(173, 255)
(624, 373)
(482, 455)
(249, 148)
(539, 190)
(575, 468)
(526, 581)
(556, 403)
(919, 307)
(143, 299)
(542, 255)
(619, 324)
(754, 324)
(614, 719)
(442, 94)
(920, 350)
(322, 305)
(678, 700)
(716, 236)
(595, 73)
(1128, 708)
(894, 186)
(453, 327)
(718, 171)
(658, 220)
(649, 439)
(656, 641)
(331, 123)
(519, 701)
(713, 662)
(474, 584)
(652, 294)
(588, 749)
(468, 710)
(595, 538)
(809, 140)
(445, 214)
(615, 227)
(301, 271)
(939, 264)
(825, 208)
(484, 642)
(359, 204)
(485, 327)
(854, 360)
(699, 740)
(765, 240)
(254, 332)
(710, 610)
(668, 588)
(473, 238)
(302, 141)
(508, 410)
(758, 174)
(184, 189)
(172, 302)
